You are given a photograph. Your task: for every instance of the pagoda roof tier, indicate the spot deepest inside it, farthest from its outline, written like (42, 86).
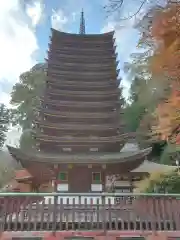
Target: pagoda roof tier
(81, 58)
(101, 45)
(73, 37)
(104, 104)
(78, 109)
(87, 95)
(87, 74)
(67, 83)
(102, 39)
(78, 115)
(77, 53)
(81, 98)
(73, 67)
(78, 126)
(90, 67)
(90, 64)
(90, 51)
(82, 45)
(90, 91)
(78, 158)
(122, 138)
(88, 78)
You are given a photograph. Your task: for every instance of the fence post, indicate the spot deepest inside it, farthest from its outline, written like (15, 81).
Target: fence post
(104, 214)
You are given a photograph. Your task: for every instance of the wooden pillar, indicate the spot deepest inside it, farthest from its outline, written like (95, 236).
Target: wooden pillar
(56, 171)
(103, 172)
(131, 183)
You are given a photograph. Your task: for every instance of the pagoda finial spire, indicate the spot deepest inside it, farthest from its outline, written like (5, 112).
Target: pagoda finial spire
(82, 24)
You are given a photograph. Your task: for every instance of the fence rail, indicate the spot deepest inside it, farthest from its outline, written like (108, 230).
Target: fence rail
(58, 212)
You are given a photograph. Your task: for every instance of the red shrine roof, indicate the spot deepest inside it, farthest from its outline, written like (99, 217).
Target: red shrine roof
(23, 174)
(17, 184)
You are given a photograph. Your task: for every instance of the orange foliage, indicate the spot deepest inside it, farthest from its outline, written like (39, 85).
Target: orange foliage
(166, 33)
(165, 61)
(168, 115)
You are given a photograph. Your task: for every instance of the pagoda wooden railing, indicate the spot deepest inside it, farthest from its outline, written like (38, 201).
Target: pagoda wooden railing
(62, 212)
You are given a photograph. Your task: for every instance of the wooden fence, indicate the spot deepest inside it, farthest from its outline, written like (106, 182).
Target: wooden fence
(107, 212)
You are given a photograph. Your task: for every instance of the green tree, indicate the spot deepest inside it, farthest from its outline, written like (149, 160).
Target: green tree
(26, 140)
(168, 182)
(25, 96)
(135, 109)
(170, 154)
(146, 90)
(4, 123)
(133, 114)
(139, 103)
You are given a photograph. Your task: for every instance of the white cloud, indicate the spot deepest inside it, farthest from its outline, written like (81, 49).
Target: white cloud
(126, 40)
(13, 136)
(5, 98)
(75, 15)
(58, 19)
(35, 12)
(17, 42)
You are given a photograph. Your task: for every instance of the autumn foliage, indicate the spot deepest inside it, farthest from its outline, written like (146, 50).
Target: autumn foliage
(165, 31)
(168, 116)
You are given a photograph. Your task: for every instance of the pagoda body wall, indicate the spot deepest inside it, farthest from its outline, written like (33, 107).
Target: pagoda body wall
(80, 178)
(77, 147)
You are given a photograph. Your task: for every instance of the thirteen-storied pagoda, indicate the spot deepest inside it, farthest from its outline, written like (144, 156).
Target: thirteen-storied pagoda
(79, 133)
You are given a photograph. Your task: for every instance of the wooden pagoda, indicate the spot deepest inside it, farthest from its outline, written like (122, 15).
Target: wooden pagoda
(79, 133)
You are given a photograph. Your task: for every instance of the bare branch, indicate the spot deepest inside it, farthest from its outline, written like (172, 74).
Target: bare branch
(116, 5)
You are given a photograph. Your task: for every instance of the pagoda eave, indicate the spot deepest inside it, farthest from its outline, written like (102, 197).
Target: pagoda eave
(81, 58)
(89, 59)
(105, 74)
(81, 97)
(96, 70)
(90, 50)
(95, 44)
(81, 126)
(78, 115)
(88, 78)
(81, 158)
(84, 93)
(84, 37)
(68, 81)
(91, 64)
(81, 104)
(121, 138)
